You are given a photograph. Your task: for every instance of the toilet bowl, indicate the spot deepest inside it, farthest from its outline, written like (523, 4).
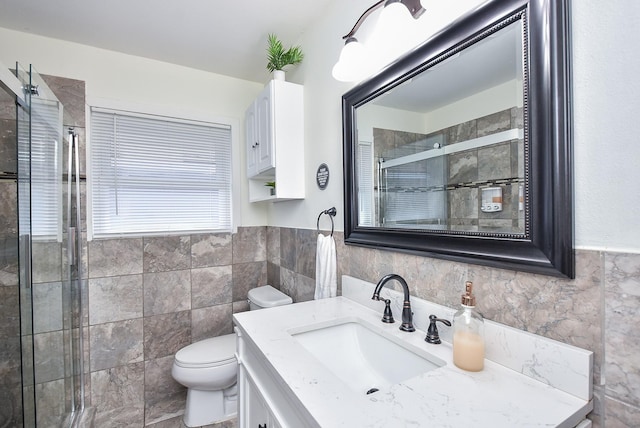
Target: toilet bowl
(209, 369)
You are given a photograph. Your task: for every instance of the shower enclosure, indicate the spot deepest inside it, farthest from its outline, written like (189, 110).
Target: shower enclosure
(41, 272)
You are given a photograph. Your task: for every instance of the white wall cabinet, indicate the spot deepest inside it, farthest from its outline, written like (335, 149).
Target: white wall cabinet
(274, 129)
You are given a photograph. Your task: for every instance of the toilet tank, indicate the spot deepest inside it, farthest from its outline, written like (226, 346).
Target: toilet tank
(267, 297)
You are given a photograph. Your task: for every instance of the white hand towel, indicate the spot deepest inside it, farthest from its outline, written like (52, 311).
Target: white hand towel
(326, 282)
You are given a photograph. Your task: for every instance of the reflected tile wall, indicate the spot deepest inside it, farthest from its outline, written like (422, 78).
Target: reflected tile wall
(599, 310)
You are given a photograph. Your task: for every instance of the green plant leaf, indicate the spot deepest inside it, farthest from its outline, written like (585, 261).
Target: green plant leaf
(278, 58)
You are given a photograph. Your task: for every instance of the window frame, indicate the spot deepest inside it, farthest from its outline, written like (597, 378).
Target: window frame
(172, 114)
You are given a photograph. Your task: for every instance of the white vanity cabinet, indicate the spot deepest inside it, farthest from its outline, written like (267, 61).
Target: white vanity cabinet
(264, 401)
(274, 130)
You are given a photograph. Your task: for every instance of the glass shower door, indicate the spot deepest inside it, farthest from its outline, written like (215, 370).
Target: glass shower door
(55, 290)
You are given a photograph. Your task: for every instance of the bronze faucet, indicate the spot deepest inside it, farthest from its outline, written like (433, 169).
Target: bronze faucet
(407, 316)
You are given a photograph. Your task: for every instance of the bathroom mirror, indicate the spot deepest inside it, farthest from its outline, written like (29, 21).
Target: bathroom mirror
(462, 148)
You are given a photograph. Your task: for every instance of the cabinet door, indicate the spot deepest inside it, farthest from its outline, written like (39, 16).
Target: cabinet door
(251, 136)
(264, 122)
(257, 411)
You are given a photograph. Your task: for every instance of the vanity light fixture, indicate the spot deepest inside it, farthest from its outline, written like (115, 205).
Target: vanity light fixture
(357, 60)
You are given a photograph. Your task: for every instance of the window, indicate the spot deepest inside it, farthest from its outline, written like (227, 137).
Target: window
(157, 175)
(46, 170)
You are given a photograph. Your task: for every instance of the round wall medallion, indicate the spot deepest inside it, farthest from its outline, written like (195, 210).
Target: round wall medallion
(322, 176)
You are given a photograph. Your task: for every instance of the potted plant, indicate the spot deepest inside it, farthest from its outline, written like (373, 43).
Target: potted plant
(272, 186)
(278, 57)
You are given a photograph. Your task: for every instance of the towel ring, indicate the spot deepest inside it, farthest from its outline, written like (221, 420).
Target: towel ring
(331, 212)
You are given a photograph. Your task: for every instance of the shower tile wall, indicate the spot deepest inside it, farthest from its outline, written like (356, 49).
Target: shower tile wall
(599, 310)
(470, 170)
(10, 377)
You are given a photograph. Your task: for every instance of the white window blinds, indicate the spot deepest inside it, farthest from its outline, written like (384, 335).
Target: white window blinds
(46, 170)
(157, 175)
(365, 183)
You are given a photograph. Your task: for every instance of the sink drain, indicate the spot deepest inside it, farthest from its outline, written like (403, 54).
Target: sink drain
(372, 390)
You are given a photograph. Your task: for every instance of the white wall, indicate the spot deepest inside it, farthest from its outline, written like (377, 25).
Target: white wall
(152, 86)
(606, 101)
(606, 104)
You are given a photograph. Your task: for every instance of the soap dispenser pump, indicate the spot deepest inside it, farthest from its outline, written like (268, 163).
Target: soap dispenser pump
(468, 334)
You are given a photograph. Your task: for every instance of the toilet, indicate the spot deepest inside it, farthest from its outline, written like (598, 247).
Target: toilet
(209, 368)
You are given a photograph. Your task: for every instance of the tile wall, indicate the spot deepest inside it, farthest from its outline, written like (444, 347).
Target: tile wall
(10, 376)
(599, 310)
(463, 174)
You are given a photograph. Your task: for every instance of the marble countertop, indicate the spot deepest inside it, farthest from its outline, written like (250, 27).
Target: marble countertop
(446, 397)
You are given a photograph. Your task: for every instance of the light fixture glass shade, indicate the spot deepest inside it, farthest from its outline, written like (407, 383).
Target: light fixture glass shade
(394, 17)
(392, 33)
(354, 62)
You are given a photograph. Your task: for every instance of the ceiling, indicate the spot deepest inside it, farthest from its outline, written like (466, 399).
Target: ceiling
(224, 37)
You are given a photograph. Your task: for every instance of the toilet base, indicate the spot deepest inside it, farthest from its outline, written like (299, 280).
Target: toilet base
(208, 407)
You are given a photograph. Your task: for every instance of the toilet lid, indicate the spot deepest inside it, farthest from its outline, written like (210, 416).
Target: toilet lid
(208, 353)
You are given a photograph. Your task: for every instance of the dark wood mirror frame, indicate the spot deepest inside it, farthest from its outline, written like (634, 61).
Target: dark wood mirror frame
(546, 247)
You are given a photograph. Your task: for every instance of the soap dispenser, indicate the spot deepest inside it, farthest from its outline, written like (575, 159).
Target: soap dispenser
(468, 334)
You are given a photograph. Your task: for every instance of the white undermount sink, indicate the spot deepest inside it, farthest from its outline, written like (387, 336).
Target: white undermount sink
(364, 358)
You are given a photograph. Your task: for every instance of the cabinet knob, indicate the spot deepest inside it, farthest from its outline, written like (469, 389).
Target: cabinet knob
(262, 425)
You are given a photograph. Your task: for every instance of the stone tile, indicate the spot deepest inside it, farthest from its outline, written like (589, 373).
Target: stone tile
(462, 132)
(211, 286)
(164, 398)
(11, 399)
(175, 422)
(113, 257)
(273, 275)
(463, 203)
(288, 282)
(47, 307)
(273, 245)
(9, 268)
(211, 250)
(50, 411)
(8, 145)
(288, 248)
(46, 262)
(619, 414)
(240, 306)
(8, 205)
(211, 322)
(494, 162)
(116, 344)
(426, 277)
(9, 312)
(48, 350)
(71, 93)
(247, 276)
(493, 123)
(167, 253)
(597, 414)
(250, 245)
(166, 334)
(622, 316)
(115, 298)
(118, 396)
(306, 247)
(166, 292)
(10, 363)
(463, 167)
(305, 288)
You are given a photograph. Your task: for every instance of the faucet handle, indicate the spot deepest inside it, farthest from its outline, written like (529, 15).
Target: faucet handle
(432, 332)
(387, 316)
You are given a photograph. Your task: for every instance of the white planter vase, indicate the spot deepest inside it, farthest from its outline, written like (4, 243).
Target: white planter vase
(278, 75)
